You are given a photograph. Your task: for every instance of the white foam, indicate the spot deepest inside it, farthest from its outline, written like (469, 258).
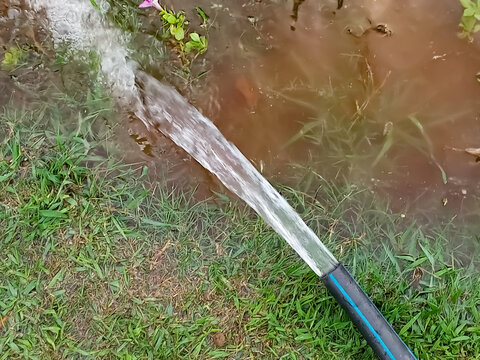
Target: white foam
(81, 26)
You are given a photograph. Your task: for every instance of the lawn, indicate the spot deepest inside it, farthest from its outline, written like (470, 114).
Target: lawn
(99, 262)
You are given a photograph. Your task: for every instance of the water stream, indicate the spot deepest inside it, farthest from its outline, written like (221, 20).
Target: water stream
(162, 108)
(166, 110)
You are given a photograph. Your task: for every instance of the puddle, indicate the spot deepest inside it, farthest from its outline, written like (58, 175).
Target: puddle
(380, 93)
(365, 75)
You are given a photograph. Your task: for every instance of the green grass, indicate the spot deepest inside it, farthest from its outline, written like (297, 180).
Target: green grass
(97, 263)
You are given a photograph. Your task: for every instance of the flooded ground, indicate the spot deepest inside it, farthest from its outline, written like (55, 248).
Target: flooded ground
(377, 93)
(382, 93)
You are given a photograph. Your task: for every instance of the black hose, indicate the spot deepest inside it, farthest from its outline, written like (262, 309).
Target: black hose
(384, 341)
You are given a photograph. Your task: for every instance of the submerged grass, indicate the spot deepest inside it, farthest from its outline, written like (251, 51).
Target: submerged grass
(95, 264)
(355, 125)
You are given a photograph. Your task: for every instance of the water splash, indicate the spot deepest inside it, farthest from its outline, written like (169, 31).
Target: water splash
(79, 25)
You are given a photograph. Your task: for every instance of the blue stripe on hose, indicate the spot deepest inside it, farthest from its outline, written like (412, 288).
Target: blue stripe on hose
(349, 299)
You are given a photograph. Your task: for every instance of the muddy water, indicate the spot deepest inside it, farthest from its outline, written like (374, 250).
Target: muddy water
(381, 93)
(370, 69)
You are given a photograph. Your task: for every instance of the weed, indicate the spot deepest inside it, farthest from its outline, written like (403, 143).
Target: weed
(471, 16)
(13, 58)
(155, 40)
(175, 23)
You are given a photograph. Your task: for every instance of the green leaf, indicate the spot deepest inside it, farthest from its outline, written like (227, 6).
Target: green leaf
(49, 340)
(204, 42)
(409, 324)
(385, 148)
(171, 19)
(460, 338)
(12, 57)
(223, 197)
(180, 35)
(420, 127)
(195, 37)
(53, 214)
(202, 14)
(178, 32)
(303, 337)
(95, 5)
(466, 3)
(468, 22)
(189, 46)
(32, 285)
(157, 223)
(427, 253)
(218, 354)
(5, 177)
(58, 277)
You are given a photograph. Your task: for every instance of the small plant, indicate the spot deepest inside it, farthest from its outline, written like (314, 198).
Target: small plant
(12, 57)
(196, 42)
(470, 18)
(175, 25)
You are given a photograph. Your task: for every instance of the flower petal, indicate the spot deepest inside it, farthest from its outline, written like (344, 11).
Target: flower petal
(156, 5)
(145, 4)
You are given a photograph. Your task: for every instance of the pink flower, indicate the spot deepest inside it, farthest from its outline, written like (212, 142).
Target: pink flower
(150, 3)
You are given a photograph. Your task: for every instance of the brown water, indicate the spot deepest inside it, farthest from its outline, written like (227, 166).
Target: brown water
(354, 79)
(358, 71)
